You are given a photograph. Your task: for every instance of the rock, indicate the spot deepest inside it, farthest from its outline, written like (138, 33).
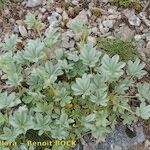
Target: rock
(108, 23)
(138, 37)
(54, 19)
(132, 18)
(67, 42)
(120, 139)
(116, 147)
(104, 1)
(148, 36)
(43, 10)
(75, 2)
(147, 144)
(34, 3)
(143, 16)
(112, 10)
(117, 140)
(94, 30)
(124, 33)
(148, 49)
(59, 10)
(65, 16)
(91, 39)
(69, 33)
(140, 46)
(22, 31)
(81, 17)
(102, 29)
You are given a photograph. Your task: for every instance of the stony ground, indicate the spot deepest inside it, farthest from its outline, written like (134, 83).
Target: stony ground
(105, 19)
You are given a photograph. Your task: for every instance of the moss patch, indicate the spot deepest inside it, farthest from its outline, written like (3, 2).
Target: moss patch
(128, 3)
(125, 50)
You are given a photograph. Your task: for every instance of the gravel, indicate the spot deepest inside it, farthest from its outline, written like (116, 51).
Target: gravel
(34, 3)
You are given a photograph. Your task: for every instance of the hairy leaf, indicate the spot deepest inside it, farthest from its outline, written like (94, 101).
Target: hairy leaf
(9, 43)
(135, 69)
(8, 101)
(111, 67)
(89, 55)
(34, 51)
(143, 111)
(82, 86)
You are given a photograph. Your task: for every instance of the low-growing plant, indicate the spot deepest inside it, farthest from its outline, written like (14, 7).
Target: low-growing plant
(126, 50)
(4, 3)
(68, 94)
(136, 4)
(96, 11)
(33, 22)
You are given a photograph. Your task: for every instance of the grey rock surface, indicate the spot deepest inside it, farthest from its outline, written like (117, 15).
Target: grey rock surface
(118, 139)
(132, 18)
(34, 3)
(81, 17)
(124, 33)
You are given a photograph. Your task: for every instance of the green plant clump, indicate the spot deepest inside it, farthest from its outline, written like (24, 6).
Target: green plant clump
(136, 4)
(68, 94)
(125, 50)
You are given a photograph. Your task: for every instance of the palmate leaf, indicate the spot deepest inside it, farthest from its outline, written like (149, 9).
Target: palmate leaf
(21, 120)
(99, 90)
(89, 55)
(44, 108)
(63, 96)
(143, 91)
(73, 56)
(60, 130)
(19, 58)
(120, 104)
(111, 67)
(128, 118)
(99, 98)
(51, 38)
(8, 101)
(13, 74)
(32, 21)
(135, 69)
(65, 65)
(5, 59)
(50, 73)
(78, 69)
(42, 123)
(9, 134)
(9, 43)
(33, 97)
(100, 132)
(35, 81)
(88, 121)
(90, 118)
(143, 111)
(123, 86)
(34, 51)
(79, 28)
(64, 120)
(101, 119)
(82, 86)
(47, 74)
